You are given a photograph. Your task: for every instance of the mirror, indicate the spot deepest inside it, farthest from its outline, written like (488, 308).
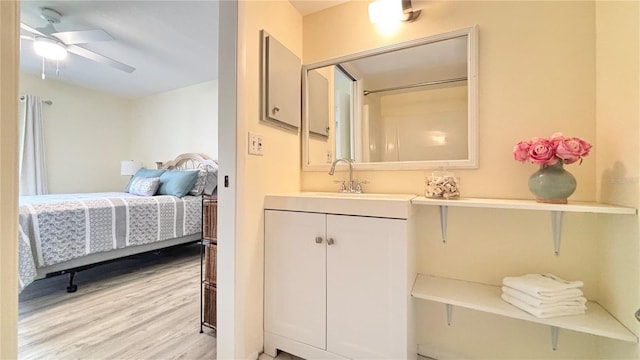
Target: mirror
(406, 106)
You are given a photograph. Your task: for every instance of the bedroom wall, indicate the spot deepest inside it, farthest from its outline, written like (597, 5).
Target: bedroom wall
(537, 75)
(277, 171)
(85, 135)
(165, 125)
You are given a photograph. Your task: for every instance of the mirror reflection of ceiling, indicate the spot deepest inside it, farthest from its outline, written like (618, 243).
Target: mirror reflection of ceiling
(172, 44)
(440, 60)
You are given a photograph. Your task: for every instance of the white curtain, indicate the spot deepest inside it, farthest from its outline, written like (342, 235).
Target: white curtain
(33, 172)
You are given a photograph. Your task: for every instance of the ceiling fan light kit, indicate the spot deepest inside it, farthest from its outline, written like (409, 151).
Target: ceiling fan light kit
(49, 48)
(51, 44)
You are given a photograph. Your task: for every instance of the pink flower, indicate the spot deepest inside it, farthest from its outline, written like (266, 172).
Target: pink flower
(586, 147)
(569, 150)
(521, 151)
(542, 151)
(557, 138)
(548, 151)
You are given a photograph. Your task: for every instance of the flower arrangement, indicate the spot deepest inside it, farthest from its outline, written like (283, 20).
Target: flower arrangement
(550, 150)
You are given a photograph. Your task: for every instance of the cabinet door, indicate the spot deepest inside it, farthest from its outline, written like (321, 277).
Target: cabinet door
(366, 275)
(295, 279)
(282, 78)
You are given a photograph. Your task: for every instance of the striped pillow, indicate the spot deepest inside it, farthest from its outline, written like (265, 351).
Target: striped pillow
(198, 188)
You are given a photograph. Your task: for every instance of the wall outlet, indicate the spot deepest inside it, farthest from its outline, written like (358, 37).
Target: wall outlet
(255, 144)
(329, 159)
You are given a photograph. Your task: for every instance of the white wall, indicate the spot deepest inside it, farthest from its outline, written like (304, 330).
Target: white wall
(86, 135)
(537, 75)
(405, 117)
(90, 132)
(174, 122)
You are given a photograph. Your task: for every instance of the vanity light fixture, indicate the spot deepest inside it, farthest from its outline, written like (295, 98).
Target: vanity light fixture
(392, 10)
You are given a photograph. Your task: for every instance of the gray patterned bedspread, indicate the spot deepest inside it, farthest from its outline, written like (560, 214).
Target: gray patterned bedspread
(62, 227)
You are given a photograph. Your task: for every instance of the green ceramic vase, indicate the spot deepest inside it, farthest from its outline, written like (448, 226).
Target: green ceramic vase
(552, 184)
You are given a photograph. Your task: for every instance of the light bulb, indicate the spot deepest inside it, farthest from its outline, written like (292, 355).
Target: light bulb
(383, 11)
(49, 49)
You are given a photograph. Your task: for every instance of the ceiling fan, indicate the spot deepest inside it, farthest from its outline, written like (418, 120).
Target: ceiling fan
(59, 43)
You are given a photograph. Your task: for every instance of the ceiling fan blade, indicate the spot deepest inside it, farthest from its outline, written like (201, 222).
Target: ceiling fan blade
(28, 28)
(75, 49)
(82, 36)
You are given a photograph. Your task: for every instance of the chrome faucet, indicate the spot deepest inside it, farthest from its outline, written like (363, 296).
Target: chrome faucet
(349, 187)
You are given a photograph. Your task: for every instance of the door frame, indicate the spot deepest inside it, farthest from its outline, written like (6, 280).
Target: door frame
(228, 344)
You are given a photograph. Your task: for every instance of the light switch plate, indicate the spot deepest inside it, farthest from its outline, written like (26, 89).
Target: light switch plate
(255, 144)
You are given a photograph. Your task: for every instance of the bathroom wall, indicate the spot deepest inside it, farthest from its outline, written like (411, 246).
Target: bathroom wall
(537, 76)
(618, 162)
(278, 170)
(9, 62)
(530, 82)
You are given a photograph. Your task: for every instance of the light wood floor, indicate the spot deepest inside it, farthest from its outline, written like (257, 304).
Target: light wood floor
(141, 308)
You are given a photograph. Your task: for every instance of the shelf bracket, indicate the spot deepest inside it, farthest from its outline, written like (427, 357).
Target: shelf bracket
(449, 314)
(443, 222)
(554, 338)
(556, 227)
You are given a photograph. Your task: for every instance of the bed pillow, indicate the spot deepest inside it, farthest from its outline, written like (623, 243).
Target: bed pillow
(212, 181)
(144, 173)
(144, 186)
(177, 182)
(201, 181)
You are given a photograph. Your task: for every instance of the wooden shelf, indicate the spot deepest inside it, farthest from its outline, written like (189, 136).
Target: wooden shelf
(486, 298)
(572, 206)
(557, 210)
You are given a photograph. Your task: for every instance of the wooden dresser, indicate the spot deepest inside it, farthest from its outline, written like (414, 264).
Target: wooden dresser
(209, 243)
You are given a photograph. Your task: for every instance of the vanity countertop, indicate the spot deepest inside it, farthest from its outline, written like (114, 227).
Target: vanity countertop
(379, 205)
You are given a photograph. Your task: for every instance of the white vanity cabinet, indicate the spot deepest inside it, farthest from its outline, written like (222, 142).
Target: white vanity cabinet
(337, 286)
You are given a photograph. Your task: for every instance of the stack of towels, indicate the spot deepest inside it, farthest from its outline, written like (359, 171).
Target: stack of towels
(544, 295)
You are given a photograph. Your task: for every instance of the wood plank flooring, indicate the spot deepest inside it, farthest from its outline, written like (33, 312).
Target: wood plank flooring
(146, 307)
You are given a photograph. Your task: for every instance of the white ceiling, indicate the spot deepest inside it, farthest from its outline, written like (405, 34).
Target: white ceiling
(171, 44)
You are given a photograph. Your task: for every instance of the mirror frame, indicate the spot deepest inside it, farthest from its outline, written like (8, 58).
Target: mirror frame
(472, 105)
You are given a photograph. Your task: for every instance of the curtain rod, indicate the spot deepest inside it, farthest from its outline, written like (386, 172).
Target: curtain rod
(367, 92)
(48, 102)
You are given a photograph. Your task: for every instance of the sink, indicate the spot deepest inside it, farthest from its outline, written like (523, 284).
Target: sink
(366, 204)
(360, 195)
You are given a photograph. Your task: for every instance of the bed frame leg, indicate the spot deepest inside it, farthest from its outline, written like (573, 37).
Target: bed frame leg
(72, 287)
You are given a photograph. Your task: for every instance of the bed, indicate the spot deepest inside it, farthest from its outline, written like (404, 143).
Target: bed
(65, 233)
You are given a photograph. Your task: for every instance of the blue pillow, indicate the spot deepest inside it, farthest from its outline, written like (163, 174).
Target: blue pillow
(144, 173)
(177, 182)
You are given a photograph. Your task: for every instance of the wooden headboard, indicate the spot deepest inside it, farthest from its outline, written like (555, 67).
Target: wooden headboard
(188, 161)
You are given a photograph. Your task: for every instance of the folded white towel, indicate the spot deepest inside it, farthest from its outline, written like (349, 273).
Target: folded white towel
(546, 302)
(547, 285)
(545, 313)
